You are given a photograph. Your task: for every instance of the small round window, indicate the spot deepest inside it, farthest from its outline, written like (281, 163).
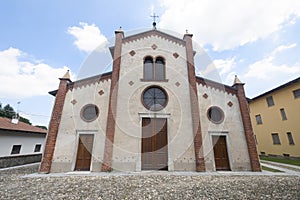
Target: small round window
(215, 114)
(154, 98)
(89, 112)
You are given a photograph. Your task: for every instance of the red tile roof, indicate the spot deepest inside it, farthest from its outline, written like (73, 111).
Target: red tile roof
(5, 124)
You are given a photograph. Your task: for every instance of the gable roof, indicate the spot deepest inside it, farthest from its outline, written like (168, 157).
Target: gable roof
(154, 32)
(5, 124)
(216, 85)
(86, 81)
(277, 88)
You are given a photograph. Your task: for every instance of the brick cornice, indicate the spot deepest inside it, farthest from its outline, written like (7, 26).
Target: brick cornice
(216, 85)
(46, 163)
(154, 33)
(89, 81)
(200, 165)
(251, 144)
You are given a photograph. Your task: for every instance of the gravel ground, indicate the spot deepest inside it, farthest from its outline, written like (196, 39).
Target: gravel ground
(158, 186)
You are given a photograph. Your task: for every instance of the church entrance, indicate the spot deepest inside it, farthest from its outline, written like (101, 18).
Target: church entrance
(84, 152)
(220, 152)
(154, 144)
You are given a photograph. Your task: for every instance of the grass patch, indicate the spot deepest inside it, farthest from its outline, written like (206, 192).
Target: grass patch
(281, 160)
(269, 169)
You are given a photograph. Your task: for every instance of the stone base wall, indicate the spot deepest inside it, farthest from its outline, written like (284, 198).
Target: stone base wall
(10, 161)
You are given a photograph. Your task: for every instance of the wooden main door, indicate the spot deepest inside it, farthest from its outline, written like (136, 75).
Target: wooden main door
(220, 152)
(84, 152)
(154, 144)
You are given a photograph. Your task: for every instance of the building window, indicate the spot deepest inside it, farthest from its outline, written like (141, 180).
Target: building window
(275, 138)
(296, 93)
(89, 112)
(37, 148)
(16, 149)
(148, 68)
(283, 115)
(258, 119)
(154, 98)
(290, 138)
(270, 101)
(215, 114)
(154, 69)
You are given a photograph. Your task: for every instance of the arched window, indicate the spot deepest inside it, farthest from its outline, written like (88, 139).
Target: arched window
(159, 69)
(154, 70)
(148, 68)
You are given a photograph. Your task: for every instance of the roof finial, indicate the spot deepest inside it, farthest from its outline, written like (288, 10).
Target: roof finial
(154, 21)
(236, 80)
(67, 75)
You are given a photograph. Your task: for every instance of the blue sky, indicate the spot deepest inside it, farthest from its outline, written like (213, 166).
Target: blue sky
(40, 39)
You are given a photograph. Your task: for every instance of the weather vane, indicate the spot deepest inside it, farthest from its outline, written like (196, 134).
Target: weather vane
(154, 20)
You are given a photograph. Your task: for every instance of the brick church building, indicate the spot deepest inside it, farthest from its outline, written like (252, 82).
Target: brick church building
(151, 112)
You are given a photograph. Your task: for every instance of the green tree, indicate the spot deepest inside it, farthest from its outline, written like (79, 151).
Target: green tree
(42, 127)
(22, 119)
(8, 112)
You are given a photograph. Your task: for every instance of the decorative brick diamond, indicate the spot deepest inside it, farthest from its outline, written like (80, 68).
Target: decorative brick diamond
(205, 96)
(73, 101)
(154, 46)
(132, 52)
(230, 104)
(177, 84)
(101, 92)
(130, 83)
(175, 55)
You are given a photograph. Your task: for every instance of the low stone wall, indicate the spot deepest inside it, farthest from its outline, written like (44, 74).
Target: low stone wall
(10, 161)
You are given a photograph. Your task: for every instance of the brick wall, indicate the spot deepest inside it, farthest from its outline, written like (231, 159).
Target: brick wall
(54, 126)
(10, 161)
(252, 149)
(112, 107)
(200, 165)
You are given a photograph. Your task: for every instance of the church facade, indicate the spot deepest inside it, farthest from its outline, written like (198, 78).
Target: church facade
(151, 112)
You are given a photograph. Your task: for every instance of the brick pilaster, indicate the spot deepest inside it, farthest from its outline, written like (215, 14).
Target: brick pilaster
(200, 165)
(252, 149)
(112, 108)
(46, 163)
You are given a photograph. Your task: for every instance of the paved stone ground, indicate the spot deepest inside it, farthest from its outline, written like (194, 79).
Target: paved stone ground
(14, 185)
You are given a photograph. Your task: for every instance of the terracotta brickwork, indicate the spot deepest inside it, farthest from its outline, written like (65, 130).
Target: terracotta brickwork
(54, 125)
(252, 149)
(200, 165)
(213, 84)
(112, 108)
(153, 33)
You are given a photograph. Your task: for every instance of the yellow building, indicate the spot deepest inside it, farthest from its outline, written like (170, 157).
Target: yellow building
(275, 117)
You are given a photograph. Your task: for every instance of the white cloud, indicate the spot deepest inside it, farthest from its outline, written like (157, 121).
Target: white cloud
(283, 48)
(23, 78)
(225, 66)
(265, 69)
(228, 24)
(220, 69)
(88, 37)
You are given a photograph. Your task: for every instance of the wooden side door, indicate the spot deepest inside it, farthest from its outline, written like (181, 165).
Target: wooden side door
(154, 144)
(220, 152)
(84, 152)
(160, 148)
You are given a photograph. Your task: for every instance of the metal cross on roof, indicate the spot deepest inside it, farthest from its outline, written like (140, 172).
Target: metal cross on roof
(154, 17)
